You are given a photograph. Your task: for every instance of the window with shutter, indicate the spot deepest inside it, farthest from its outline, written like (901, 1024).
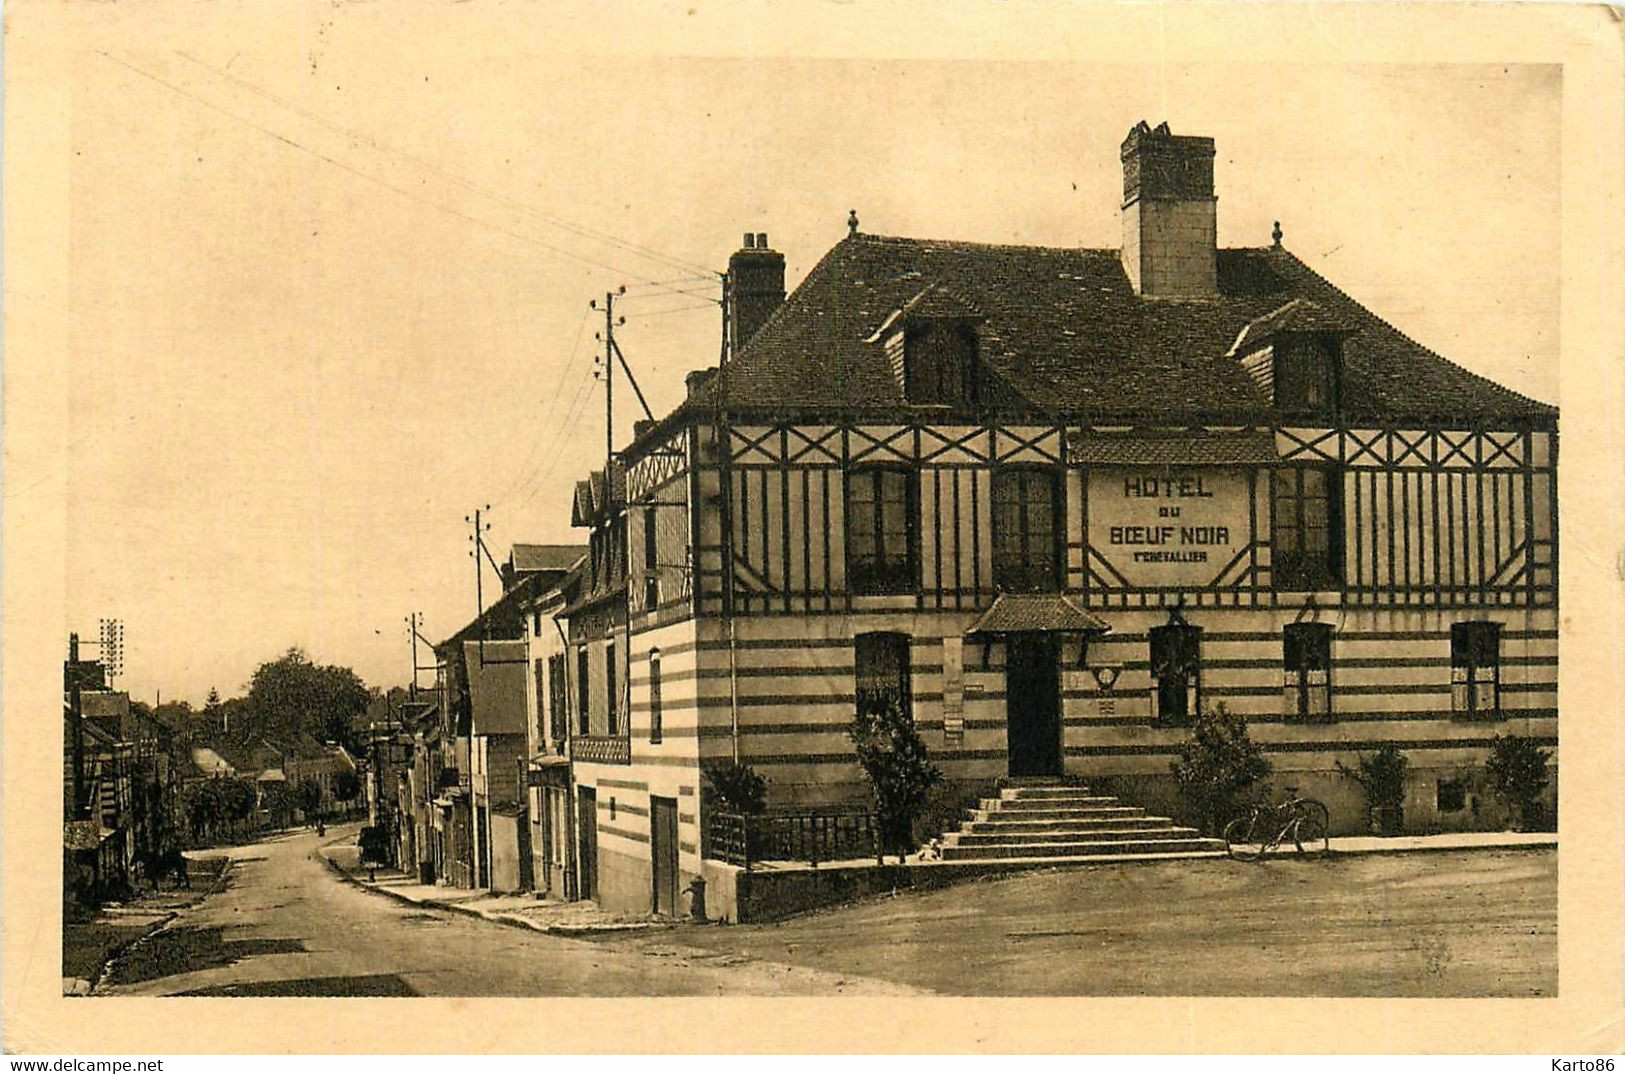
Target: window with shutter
(583, 692)
(1475, 670)
(1307, 659)
(1176, 672)
(655, 728)
(611, 692)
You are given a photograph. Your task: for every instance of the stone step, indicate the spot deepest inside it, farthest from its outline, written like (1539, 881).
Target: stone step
(981, 838)
(1019, 805)
(1072, 849)
(999, 822)
(1060, 791)
(1066, 813)
(1146, 826)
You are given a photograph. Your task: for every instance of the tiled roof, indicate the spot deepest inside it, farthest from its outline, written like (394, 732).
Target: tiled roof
(1175, 449)
(1063, 332)
(545, 557)
(1299, 315)
(1021, 613)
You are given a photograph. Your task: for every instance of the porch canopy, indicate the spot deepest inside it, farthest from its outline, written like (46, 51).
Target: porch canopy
(1029, 613)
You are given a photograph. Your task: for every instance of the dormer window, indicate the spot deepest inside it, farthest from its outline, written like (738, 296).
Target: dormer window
(939, 364)
(931, 343)
(1306, 375)
(1295, 356)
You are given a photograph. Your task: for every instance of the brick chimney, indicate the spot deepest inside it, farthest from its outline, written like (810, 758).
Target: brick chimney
(755, 287)
(1170, 227)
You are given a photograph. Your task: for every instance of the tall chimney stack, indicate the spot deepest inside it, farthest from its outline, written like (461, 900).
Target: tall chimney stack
(755, 287)
(1170, 215)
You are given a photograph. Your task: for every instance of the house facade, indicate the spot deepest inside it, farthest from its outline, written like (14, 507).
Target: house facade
(1052, 502)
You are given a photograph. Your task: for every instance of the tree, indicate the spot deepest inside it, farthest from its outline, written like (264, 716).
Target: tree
(347, 786)
(277, 800)
(238, 798)
(893, 756)
(1517, 771)
(1382, 776)
(1216, 764)
(291, 693)
(310, 797)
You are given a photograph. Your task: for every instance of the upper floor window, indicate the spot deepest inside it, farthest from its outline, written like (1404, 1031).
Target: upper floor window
(880, 537)
(611, 691)
(583, 692)
(1475, 669)
(1307, 657)
(1176, 671)
(881, 672)
(1308, 551)
(939, 364)
(558, 697)
(542, 699)
(1026, 530)
(1306, 375)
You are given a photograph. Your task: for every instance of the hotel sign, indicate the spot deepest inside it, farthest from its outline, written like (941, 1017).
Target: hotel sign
(1167, 526)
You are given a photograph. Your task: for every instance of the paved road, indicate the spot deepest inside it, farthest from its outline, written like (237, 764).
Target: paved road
(286, 925)
(1471, 923)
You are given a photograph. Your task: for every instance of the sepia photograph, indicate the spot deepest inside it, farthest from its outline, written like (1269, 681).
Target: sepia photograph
(542, 521)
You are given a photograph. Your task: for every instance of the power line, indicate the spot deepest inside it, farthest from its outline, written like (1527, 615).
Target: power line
(674, 309)
(562, 251)
(556, 443)
(550, 218)
(552, 407)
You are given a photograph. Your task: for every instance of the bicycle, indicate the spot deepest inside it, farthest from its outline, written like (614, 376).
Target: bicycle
(1304, 821)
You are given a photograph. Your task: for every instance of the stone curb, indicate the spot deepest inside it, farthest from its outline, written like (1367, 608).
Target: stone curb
(510, 920)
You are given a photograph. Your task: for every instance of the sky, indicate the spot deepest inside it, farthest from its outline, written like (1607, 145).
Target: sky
(328, 289)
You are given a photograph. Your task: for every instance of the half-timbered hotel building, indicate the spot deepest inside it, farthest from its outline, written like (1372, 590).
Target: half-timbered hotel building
(1052, 501)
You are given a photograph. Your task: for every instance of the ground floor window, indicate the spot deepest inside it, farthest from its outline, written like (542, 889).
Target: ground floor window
(881, 672)
(1307, 657)
(1176, 671)
(655, 729)
(1475, 670)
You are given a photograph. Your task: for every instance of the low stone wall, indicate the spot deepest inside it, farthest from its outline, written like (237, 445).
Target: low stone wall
(737, 897)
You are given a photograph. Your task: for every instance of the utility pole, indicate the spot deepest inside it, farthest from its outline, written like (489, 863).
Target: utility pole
(481, 527)
(412, 622)
(76, 706)
(607, 338)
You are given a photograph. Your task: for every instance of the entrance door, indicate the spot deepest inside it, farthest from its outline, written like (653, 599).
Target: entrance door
(587, 852)
(1033, 704)
(663, 850)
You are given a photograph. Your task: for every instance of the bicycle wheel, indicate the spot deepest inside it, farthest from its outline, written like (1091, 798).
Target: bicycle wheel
(1311, 829)
(1242, 840)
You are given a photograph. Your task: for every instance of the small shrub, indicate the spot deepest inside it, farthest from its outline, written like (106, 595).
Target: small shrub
(1382, 776)
(735, 787)
(901, 777)
(1517, 771)
(1216, 765)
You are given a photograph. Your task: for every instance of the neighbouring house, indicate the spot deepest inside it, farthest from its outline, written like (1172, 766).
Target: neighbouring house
(548, 786)
(1052, 502)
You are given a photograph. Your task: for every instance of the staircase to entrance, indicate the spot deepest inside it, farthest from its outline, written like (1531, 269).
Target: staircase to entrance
(1063, 820)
